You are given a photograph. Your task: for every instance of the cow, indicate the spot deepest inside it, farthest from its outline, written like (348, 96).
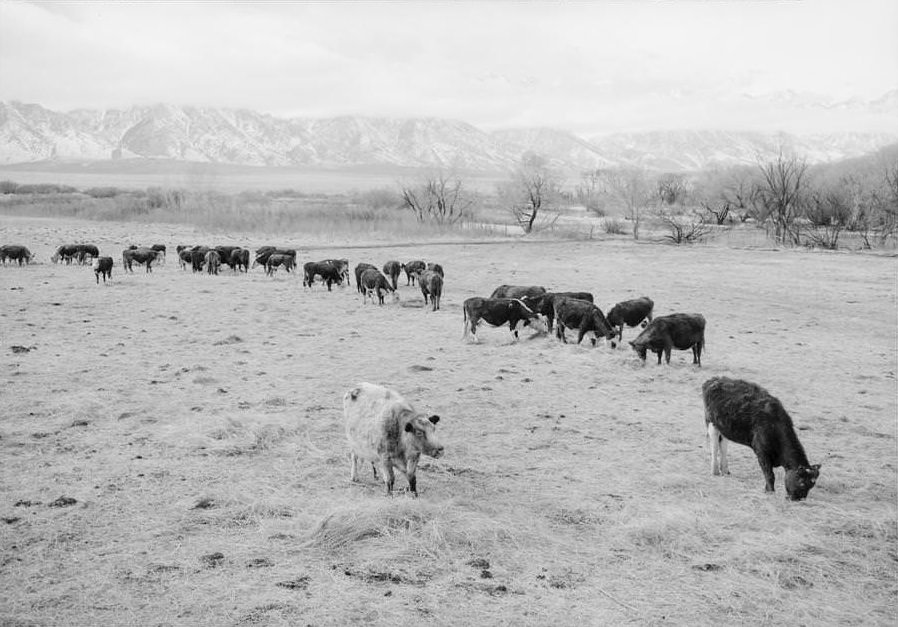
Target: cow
(392, 270)
(518, 291)
(373, 283)
(103, 266)
(15, 252)
(263, 253)
(573, 313)
(359, 269)
(436, 268)
(143, 256)
(631, 312)
(224, 253)
(213, 262)
(68, 253)
(499, 311)
(279, 259)
(545, 304)
(239, 259)
(342, 266)
(198, 258)
(745, 413)
(431, 284)
(328, 272)
(679, 330)
(384, 429)
(412, 268)
(160, 252)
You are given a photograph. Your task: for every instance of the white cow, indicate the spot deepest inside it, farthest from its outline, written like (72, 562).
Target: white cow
(384, 429)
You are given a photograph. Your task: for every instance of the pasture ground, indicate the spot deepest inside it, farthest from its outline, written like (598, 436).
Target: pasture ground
(173, 448)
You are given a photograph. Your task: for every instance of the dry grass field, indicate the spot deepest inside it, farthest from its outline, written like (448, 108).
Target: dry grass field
(173, 449)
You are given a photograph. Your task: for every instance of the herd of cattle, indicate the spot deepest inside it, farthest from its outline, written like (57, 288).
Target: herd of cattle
(385, 430)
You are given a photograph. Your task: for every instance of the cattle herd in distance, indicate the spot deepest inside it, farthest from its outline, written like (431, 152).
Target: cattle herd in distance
(385, 430)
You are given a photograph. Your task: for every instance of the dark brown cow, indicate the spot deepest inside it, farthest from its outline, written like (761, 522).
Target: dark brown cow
(412, 268)
(278, 259)
(142, 256)
(213, 262)
(545, 304)
(15, 252)
(327, 272)
(342, 266)
(103, 266)
(392, 270)
(631, 312)
(746, 413)
(499, 311)
(359, 269)
(573, 313)
(679, 330)
(518, 291)
(373, 283)
(431, 284)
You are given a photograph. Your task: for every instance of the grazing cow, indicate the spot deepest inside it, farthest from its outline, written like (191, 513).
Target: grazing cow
(279, 259)
(412, 268)
(392, 270)
(263, 253)
(213, 262)
(518, 291)
(224, 253)
(431, 284)
(545, 304)
(342, 266)
(142, 256)
(65, 254)
(573, 313)
(326, 271)
(436, 268)
(373, 283)
(679, 330)
(359, 269)
(68, 253)
(160, 252)
(498, 311)
(103, 265)
(239, 259)
(745, 413)
(385, 430)
(631, 313)
(198, 258)
(15, 252)
(185, 257)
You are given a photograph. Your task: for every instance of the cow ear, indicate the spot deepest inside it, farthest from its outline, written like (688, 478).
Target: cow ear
(434, 419)
(816, 468)
(408, 427)
(354, 393)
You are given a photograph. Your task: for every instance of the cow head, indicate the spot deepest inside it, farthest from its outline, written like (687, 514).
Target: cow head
(799, 481)
(420, 435)
(640, 349)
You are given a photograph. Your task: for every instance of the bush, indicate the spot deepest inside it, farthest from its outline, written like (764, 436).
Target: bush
(8, 187)
(102, 192)
(45, 188)
(615, 226)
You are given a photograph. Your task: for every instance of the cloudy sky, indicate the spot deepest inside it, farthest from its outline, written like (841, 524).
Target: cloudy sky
(589, 67)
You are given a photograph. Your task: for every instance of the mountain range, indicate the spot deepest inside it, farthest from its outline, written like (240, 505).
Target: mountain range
(32, 133)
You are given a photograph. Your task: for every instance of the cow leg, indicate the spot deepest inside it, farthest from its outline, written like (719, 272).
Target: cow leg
(389, 476)
(667, 354)
(714, 448)
(767, 470)
(697, 351)
(353, 467)
(724, 462)
(410, 467)
(374, 469)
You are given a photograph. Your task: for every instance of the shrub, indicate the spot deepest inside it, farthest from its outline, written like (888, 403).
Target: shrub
(8, 187)
(102, 192)
(615, 226)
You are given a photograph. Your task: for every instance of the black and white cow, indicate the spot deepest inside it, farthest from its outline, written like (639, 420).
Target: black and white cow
(373, 283)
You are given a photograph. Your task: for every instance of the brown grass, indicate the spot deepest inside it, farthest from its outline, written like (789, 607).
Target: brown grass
(211, 475)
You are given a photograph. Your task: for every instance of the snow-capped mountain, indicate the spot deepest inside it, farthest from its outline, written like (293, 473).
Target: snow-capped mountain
(29, 133)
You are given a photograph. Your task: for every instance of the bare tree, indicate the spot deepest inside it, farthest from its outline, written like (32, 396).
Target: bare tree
(885, 200)
(672, 189)
(782, 193)
(440, 198)
(829, 212)
(631, 189)
(683, 229)
(534, 188)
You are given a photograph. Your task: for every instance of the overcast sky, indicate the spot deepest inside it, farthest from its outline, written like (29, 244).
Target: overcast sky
(589, 67)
